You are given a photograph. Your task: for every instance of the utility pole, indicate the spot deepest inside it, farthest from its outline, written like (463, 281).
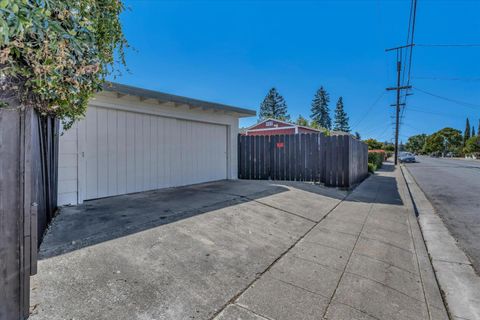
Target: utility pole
(399, 51)
(397, 111)
(398, 104)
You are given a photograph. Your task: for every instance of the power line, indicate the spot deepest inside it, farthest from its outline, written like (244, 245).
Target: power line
(449, 115)
(447, 78)
(449, 45)
(462, 103)
(369, 109)
(411, 127)
(408, 39)
(414, 6)
(376, 129)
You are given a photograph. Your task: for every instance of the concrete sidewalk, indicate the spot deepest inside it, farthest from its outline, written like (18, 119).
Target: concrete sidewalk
(365, 260)
(240, 250)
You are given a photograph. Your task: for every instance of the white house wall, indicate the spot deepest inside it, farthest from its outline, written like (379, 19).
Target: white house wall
(68, 166)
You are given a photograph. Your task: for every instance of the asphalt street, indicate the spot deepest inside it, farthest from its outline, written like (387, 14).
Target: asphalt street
(453, 188)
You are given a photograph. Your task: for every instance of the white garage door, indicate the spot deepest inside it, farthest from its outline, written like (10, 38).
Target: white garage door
(129, 152)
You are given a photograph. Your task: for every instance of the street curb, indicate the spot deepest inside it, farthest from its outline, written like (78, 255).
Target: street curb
(455, 275)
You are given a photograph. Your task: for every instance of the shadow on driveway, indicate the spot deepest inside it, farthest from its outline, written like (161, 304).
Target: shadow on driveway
(178, 253)
(100, 220)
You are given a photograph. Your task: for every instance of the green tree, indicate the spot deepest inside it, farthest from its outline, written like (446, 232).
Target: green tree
(341, 118)
(444, 141)
(301, 121)
(466, 133)
(373, 144)
(416, 143)
(320, 111)
(473, 145)
(388, 147)
(473, 131)
(274, 107)
(55, 54)
(452, 139)
(434, 143)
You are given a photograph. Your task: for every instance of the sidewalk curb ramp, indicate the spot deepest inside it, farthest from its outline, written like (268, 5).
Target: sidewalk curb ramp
(459, 283)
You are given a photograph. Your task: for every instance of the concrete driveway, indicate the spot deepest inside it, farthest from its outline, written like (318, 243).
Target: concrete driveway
(181, 253)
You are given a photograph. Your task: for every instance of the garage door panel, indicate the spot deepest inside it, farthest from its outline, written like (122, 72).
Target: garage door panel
(121, 152)
(130, 152)
(91, 153)
(162, 152)
(102, 152)
(112, 155)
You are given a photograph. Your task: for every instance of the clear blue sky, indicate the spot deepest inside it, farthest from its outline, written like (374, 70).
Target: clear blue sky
(233, 52)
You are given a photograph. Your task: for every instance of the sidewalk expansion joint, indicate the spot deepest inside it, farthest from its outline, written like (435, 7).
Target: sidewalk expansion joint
(298, 287)
(283, 210)
(354, 308)
(385, 285)
(387, 243)
(351, 253)
(259, 275)
(326, 246)
(251, 311)
(390, 230)
(317, 263)
(387, 263)
(342, 232)
(452, 262)
(249, 198)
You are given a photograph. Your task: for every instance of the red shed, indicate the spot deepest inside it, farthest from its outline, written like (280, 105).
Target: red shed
(271, 127)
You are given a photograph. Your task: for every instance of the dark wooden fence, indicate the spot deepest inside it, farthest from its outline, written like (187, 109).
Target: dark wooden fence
(28, 153)
(339, 161)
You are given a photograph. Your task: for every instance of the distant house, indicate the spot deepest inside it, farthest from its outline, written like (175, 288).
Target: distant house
(270, 127)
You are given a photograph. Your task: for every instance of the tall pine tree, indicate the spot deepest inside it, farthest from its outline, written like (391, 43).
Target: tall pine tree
(466, 133)
(320, 111)
(473, 131)
(274, 107)
(341, 118)
(301, 121)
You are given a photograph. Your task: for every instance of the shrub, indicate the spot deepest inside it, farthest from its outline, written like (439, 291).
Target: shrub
(472, 146)
(376, 158)
(371, 167)
(55, 54)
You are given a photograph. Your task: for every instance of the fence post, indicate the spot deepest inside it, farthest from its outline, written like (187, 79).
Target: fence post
(346, 161)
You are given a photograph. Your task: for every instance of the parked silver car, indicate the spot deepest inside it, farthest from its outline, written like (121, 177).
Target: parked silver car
(406, 157)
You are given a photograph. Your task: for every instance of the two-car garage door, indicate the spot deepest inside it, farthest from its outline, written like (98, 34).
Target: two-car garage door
(129, 152)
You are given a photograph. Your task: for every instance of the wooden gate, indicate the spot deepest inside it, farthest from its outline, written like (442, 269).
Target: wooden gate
(281, 157)
(339, 161)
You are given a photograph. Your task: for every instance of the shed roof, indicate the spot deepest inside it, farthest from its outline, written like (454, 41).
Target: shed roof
(166, 97)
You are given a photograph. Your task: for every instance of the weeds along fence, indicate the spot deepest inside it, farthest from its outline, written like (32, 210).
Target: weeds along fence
(28, 191)
(338, 161)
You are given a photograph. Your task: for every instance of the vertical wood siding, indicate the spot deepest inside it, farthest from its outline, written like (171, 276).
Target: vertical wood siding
(129, 152)
(339, 161)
